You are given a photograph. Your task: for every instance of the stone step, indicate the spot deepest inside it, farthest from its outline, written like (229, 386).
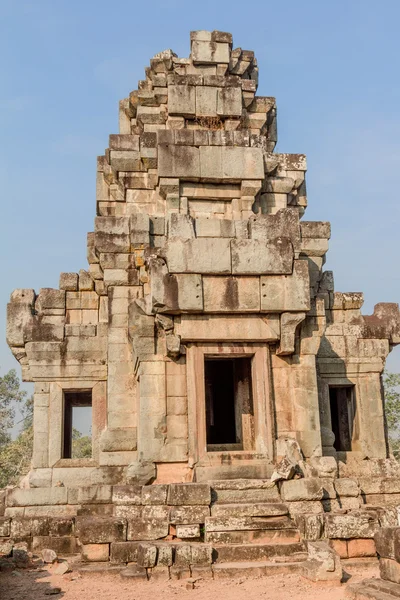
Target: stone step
(254, 569)
(245, 470)
(373, 589)
(244, 523)
(245, 496)
(249, 510)
(253, 536)
(293, 552)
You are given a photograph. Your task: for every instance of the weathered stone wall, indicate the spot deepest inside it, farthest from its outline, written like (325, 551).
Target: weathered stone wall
(198, 249)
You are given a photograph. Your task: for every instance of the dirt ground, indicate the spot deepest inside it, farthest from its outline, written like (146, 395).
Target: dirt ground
(36, 585)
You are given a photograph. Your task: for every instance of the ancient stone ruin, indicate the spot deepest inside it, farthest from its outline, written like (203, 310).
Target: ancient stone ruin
(237, 407)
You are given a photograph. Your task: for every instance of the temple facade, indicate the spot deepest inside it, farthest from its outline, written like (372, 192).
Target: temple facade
(204, 335)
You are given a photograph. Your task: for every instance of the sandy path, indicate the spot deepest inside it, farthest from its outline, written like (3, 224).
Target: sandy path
(33, 585)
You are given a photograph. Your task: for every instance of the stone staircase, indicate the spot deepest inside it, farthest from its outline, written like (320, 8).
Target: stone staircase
(251, 531)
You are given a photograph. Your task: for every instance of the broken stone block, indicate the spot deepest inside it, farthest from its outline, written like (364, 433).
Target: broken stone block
(49, 556)
(311, 527)
(389, 570)
(323, 563)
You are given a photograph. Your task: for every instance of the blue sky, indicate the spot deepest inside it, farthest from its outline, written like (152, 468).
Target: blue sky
(333, 67)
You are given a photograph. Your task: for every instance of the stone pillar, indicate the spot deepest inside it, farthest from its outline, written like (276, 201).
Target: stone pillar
(296, 398)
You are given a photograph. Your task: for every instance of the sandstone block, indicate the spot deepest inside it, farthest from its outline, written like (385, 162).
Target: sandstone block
(310, 526)
(185, 515)
(183, 555)
(361, 548)
(282, 293)
(122, 439)
(231, 294)
(229, 102)
(100, 530)
(147, 529)
(188, 531)
(201, 554)
(95, 552)
(258, 258)
(179, 161)
(242, 163)
(124, 142)
(201, 255)
(112, 234)
(37, 496)
(302, 489)
(146, 555)
(346, 487)
(123, 552)
(69, 281)
(323, 563)
(385, 542)
(182, 100)
(350, 526)
(93, 494)
(206, 101)
(389, 570)
(208, 52)
(4, 526)
(164, 558)
(127, 494)
(57, 545)
(186, 494)
(154, 494)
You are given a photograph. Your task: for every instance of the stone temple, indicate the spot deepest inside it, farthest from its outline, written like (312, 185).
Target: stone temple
(204, 335)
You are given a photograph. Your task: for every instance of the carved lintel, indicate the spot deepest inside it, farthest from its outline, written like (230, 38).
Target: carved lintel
(289, 323)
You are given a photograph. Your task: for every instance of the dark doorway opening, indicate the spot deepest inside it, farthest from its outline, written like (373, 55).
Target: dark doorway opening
(77, 412)
(342, 405)
(229, 404)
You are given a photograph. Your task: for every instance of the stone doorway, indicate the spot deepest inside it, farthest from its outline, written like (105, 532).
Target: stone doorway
(342, 408)
(229, 404)
(242, 372)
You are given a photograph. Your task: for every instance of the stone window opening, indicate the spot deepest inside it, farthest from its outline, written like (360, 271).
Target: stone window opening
(229, 404)
(342, 408)
(77, 405)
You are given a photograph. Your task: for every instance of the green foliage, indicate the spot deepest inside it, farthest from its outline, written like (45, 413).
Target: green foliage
(391, 385)
(15, 458)
(10, 395)
(81, 445)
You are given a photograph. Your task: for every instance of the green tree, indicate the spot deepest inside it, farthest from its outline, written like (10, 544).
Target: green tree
(15, 455)
(10, 396)
(81, 445)
(391, 385)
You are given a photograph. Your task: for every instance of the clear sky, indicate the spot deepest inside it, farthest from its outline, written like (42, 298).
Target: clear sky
(333, 67)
